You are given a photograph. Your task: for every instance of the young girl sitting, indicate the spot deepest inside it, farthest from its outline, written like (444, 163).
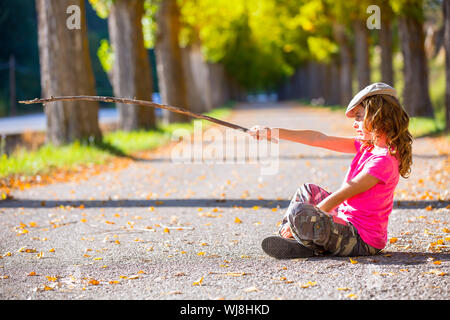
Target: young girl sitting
(353, 220)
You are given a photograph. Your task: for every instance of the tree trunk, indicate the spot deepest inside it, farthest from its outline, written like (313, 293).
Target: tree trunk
(362, 53)
(446, 7)
(317, 74)
(387, 70)
(416, 98)
(385, 35)
(12, 86)
(131, 73)
(237, 93)
(197, 84)
(332, 89)
(170, 69)
(346, 69)
(218, 84)
(66, 70)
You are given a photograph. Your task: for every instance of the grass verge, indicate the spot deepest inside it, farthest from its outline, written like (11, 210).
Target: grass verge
(118, 143)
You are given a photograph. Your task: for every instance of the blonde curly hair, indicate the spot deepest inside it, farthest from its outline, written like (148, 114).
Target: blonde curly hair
(385, 115)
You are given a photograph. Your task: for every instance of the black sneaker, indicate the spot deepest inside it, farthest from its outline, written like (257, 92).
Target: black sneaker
(282, 248)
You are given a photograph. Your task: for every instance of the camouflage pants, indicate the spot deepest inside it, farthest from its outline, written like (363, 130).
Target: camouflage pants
(321, 231)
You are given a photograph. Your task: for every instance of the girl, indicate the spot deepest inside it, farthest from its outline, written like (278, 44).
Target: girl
(353, 220)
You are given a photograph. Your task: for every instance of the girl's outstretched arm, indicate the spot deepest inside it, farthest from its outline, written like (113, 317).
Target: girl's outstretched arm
(308, 137)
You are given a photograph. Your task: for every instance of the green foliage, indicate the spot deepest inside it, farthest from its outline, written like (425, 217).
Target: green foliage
(102, 7)
(322, 48)
(50, 157)
(259, 42)
(149, 22)
(419, 126)
(105, 55)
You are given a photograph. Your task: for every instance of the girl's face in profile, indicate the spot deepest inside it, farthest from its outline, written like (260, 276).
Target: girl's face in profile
(358, 124)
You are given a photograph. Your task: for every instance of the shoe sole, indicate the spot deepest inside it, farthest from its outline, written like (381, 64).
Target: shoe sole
(282, 248)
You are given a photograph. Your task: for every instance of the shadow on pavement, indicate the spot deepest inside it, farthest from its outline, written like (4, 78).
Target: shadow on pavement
(193, 202)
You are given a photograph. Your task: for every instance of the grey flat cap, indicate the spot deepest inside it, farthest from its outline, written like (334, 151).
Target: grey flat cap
(370, 90)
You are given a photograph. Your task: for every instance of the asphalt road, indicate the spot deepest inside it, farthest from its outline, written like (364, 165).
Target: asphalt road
(160, 229)
(38, 122)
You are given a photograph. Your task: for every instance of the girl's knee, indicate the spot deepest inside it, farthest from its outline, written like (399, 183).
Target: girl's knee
(308, 222)
(303, 209)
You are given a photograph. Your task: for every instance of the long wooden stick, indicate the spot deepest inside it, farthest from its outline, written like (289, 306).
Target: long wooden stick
(135, 102)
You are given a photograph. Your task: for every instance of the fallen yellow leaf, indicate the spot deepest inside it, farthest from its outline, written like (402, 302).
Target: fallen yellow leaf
(308, 284)
(94, 282)
(198, 282)
(393, 240)
(237, 220)
(344, 289)
(437, 272)
(236, 274)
